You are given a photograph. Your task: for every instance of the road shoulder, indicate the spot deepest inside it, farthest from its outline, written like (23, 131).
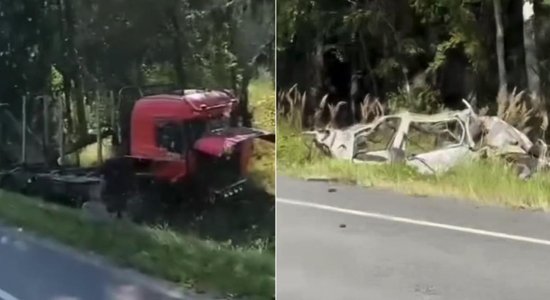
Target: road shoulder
(431, 209)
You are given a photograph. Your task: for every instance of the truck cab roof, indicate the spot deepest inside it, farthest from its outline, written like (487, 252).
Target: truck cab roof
(186, 104)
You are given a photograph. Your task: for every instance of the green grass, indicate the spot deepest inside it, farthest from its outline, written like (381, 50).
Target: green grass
(262, 101)
(488, 182)
(194, 263)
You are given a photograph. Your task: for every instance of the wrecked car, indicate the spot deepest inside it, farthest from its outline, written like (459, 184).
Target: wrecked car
(429, 143)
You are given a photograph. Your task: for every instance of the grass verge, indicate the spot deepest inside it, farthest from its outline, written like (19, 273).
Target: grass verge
(262, 101)
(488, 182)
(194, 263)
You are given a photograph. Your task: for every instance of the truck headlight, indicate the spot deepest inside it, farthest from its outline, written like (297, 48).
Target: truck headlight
(228, 151)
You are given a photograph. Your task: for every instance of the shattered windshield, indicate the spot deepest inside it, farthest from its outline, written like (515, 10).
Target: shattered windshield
(427, 137)
(380, 137)
(216, 125)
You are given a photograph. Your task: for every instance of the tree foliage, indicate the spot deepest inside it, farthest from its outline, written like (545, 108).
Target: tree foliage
(76, 47)
(448, 46)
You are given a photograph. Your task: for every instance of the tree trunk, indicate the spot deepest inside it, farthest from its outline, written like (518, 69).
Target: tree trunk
(72, 79)
(67, 91)
(177, 55)
(501, 58)
(318, 72)
(139, 78)
(236, 115)
(244, 113)
(82, 124)
(529, 43)
(366, 57)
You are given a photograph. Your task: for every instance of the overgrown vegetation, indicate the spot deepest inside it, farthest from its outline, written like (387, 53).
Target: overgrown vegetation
(185, 259)
(417, 54)
(523, 112)
(419, 100)
(73, 51)
(262, 101)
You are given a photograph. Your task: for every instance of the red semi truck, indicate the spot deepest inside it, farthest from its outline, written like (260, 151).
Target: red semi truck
(175, 149)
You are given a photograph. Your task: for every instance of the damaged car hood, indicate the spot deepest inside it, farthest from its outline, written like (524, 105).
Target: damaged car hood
(219, 142)
(504, 137)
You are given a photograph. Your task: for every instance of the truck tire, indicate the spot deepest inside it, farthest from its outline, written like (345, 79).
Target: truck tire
(142, 208)
(96, 211)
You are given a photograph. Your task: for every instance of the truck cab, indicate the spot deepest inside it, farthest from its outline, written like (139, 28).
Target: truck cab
(185, 141)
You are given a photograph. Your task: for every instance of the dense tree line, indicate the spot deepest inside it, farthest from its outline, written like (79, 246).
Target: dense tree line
(417, 53)
(73, 49)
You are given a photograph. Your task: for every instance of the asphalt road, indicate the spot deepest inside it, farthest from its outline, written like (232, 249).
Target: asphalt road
(340, 242)
(35, 269)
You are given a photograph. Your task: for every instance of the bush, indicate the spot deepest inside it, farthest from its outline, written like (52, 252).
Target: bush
(420, 100)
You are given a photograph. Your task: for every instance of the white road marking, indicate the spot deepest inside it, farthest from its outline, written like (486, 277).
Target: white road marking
(6, 296)
(416, 222)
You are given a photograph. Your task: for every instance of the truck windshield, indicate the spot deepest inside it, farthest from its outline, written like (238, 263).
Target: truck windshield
(217, 124)
(176, 137)
(170, 138)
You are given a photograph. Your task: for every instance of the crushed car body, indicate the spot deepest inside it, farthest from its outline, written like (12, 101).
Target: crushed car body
(431, 144)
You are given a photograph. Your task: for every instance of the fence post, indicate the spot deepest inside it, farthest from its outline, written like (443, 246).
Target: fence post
(113, 110)
(98, 127)
(24, 130)
(1, 124)
(61, 131)
(46, 103)
(46, 133)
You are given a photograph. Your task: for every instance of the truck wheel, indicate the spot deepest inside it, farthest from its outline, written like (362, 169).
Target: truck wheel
(141, 208)
(6, 182)
(96, 211)
(134, 208)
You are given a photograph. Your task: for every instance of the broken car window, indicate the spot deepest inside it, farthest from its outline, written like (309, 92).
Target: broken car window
(380, 137)
(427, 137)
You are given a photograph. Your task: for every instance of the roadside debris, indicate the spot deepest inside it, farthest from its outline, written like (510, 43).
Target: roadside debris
(320, 179)
(433, 144)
